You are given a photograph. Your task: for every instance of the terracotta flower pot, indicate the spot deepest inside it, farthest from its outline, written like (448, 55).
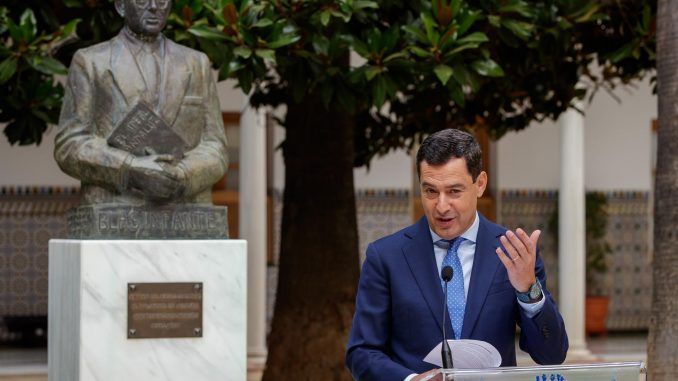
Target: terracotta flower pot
(596, 314)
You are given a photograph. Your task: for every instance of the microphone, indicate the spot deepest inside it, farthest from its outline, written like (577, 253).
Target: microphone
(446, 352)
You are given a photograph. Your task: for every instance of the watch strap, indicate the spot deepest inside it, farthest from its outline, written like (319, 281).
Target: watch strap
(532, 295)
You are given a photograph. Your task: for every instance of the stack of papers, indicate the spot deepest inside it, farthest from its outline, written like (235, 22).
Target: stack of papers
(467, 354)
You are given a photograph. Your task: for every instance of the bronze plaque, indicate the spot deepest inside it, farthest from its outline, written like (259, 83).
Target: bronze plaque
(164, 310)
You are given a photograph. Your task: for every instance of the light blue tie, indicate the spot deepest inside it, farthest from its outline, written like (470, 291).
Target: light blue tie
(456, 299)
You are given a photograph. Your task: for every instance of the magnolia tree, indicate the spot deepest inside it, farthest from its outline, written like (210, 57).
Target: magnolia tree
(358, 78)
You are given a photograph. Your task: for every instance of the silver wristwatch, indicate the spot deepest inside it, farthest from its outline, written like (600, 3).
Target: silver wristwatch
(532, 295)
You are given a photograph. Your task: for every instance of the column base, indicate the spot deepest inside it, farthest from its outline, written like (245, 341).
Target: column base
(256, 364)
(578, 355)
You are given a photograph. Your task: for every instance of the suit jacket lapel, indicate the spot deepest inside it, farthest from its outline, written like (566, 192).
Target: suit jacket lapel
(175, 78)
(485, 265)
(421, 259)
(125, 71)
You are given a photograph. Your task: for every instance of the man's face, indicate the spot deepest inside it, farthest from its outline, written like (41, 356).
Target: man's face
(449, 196)
(147, 17)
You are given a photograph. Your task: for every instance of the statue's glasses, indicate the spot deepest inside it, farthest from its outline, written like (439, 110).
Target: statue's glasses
(162, 4)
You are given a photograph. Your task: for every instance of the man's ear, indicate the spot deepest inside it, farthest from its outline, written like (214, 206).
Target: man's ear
(120, 7)
(481, 183)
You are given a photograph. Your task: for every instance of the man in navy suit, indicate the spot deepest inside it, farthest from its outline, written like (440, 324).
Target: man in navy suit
(400, 301)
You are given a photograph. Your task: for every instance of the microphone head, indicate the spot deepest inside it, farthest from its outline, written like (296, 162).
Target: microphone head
(446, 273)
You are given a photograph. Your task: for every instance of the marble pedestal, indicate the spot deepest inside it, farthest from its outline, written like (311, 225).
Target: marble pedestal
(87, 330)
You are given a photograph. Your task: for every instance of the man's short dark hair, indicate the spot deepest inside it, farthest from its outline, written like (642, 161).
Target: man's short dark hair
(440, 147)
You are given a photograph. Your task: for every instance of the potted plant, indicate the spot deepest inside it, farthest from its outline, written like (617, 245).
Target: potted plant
(597, 252)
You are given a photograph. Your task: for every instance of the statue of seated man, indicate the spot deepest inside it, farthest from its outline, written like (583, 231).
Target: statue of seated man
(141, 123)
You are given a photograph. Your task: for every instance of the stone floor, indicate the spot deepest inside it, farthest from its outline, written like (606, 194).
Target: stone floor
(31, 364)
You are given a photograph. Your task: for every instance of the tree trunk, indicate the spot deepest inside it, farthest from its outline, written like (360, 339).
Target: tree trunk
(663, 336)
(319, 247)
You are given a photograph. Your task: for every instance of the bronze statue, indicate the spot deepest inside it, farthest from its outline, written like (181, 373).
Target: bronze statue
(141, 128)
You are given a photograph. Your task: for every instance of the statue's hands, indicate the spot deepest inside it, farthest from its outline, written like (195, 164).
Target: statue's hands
(177, 172)
(155, 177)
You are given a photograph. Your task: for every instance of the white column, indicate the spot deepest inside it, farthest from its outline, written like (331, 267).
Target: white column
(252, 224)
(572, 231)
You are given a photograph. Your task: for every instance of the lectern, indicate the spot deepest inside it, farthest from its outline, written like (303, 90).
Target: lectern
(624, 371)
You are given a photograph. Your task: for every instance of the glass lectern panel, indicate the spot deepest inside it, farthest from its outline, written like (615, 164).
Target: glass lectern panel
(627, 371)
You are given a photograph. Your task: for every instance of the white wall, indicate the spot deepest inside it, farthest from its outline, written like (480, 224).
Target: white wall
(391, 171)
(618, 143)
(31, 165)
(618, 146)
(230, 97)
(528, 159)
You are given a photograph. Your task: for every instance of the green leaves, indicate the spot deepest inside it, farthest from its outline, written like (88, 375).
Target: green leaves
(444, 12)
(4, 20)
(74, 3)
(68, 30)
(363, 4)
(419, 52)
(372, 71)
(473, 38)
(432, 63)
(266, 54)
(432, 34)
(379, 92)
(416, 34)
(325, 17)
(262, 23)
(207, 32)
(243, 51)
(488, 68)
(517, 6)
(283, 40)
(26, 49)
(7, 69)
(443, 72)
(241, 37)
(586, 13)
(520, 28)
(445, 32)
(27, 28)
(30, 98)
(47, 65)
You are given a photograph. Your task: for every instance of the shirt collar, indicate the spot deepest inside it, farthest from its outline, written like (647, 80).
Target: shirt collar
(136, 44)
(471, 234)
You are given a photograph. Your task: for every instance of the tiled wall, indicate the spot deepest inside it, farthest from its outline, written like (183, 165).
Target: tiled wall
(628, 281)
(29, 217)
(379, 212)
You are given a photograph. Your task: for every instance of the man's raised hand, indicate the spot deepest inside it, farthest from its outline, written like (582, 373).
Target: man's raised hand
(519, 257)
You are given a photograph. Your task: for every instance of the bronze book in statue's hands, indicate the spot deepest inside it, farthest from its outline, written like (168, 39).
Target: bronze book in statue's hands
(142, 132)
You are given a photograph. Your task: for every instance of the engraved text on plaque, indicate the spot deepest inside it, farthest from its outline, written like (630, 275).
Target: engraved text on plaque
(164, 310)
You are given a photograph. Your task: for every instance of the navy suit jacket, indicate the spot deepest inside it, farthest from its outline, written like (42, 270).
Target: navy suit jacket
(399, 307)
